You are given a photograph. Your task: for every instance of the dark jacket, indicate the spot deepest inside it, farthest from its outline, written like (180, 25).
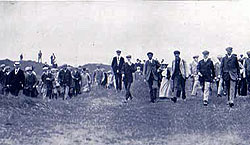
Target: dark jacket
(47, 80)
(76, 76)
(207, 70)
(65, 78)
(30, 81)
(128, 71)
(230, 68)
(117, 67)
(151, 68)
(17, 80)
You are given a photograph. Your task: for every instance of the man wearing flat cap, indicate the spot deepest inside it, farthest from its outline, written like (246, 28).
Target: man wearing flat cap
(178, 76)
(206, 75)
(151, 75)
(17, 79)
(31, 82)
(65, 81)
(230, 71)
(194, 75)
(128, 70)
(116, 65)
(247, 69)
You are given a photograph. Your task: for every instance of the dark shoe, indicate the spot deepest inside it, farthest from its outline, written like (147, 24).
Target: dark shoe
(174, 99)
(205, 103)
(219, 95)
(184, 97)
(231, 105)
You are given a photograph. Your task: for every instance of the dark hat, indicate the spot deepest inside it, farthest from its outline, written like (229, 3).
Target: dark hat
(128, 56)
(229, 49)
(64, 65)
(177, 52)
(118, 51)
(196, 56)
(84, 69)
(205, 52)
(150, 53)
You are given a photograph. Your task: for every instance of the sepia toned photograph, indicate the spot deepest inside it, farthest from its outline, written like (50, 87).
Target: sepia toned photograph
(125, 72)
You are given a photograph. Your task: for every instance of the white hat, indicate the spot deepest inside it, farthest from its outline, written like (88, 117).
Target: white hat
(16, 63)
(28, 68)
(2, 65)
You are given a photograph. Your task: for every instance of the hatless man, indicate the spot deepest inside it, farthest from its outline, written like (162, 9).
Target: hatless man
(230, 71)
(77, 80)
(116, 65)
(194, 75)
(98, 75)
(206, 72)
(179, 75)
(17, 79)
(151, 75)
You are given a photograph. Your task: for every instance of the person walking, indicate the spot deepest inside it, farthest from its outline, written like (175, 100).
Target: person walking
(127, 72)
(206, 75)
(17, 79)
(194, 75)
(151, 75)
(165, 83)
(30, 86)
(65, 81)
(116, 65)
(179, 75)
(230, 71)
(218, 77)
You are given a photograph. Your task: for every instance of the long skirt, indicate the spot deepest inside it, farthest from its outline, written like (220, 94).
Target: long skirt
(165, 88)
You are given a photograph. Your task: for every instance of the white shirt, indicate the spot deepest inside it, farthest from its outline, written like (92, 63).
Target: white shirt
(16, 71)
(118, 60)
(205, 59)
(151, 60)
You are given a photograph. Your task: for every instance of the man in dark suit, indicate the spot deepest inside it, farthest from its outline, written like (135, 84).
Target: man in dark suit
(206, 76)
(116, 65)
(230, 71)
(65, 80)
(151, 75)
(127, 70)
(17, 79)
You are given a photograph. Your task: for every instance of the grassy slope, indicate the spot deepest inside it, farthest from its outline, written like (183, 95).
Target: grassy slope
(101, 118)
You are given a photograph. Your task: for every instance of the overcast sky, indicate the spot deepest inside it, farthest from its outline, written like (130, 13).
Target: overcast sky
(88, 32)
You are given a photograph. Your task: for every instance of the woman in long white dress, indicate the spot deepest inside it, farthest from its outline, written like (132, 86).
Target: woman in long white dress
(165, 88)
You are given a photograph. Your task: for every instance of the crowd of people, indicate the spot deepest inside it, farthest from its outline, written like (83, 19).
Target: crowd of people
(230, 74)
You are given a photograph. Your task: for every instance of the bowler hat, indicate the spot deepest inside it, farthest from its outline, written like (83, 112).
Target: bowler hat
(229, 49)
(150, 53)
(118, 51)
(177, 52)
(196, 56)
(205, 52)
(128, 56)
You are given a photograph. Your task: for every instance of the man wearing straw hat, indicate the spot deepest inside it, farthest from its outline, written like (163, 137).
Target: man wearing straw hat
(17, 79)
(206, 74)
(230, 71)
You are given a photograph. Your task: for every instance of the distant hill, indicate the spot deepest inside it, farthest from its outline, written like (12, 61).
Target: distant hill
(38, 67)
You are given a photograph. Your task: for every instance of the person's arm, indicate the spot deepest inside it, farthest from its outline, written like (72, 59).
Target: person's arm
(212, 67)
(222, 66)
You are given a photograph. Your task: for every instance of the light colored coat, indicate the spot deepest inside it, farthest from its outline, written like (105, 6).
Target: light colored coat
(183, 68)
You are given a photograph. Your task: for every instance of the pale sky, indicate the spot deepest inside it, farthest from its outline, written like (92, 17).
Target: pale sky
(90, 32)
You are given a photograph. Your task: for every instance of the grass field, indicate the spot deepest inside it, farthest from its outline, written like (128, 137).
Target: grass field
(101, 117)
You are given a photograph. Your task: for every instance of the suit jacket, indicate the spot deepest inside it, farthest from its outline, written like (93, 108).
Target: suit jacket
(207, 70)
(183, 68)
(230, 67)
(117, 66)
(151, 68)
(65, 78)
(17, 80)
(128, 71)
